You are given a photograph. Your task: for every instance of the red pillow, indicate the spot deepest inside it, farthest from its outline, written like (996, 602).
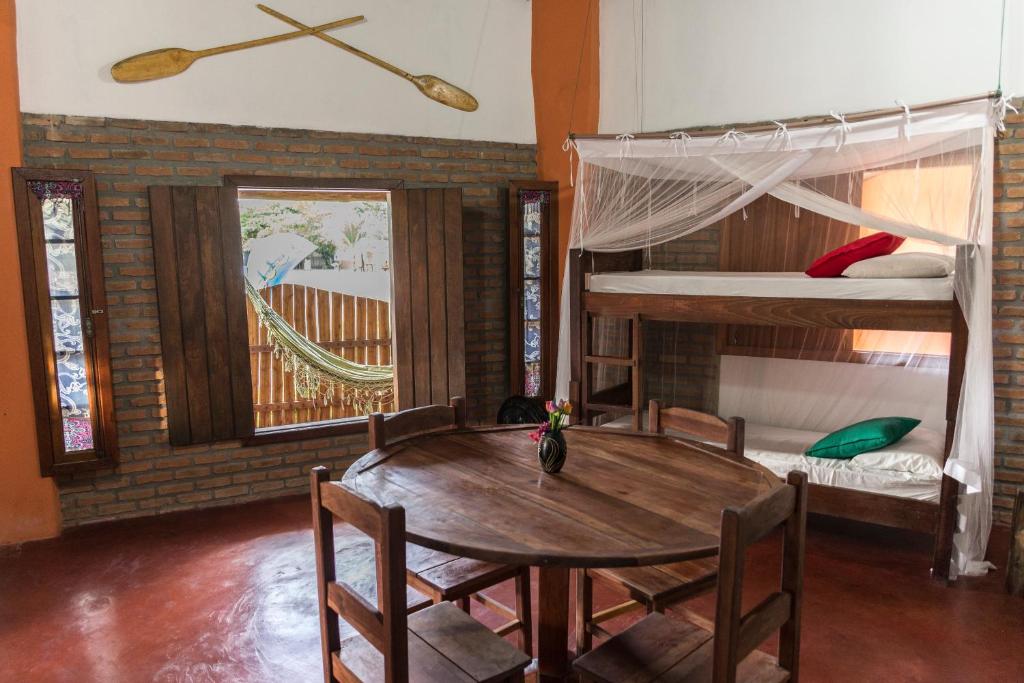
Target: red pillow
(836, 261)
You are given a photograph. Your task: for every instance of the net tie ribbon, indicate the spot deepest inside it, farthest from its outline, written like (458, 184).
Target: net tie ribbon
(906, 117)
(843, 129)
(782, 133)
(627, 146)
(568, 146)
(1000, 107)
(680, 138)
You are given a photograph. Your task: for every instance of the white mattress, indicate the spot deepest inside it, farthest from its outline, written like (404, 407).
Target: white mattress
(782, 285)
(910, 468)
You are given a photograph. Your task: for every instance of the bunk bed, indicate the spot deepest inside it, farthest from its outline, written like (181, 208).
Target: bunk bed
(634, 192)
(638, 297)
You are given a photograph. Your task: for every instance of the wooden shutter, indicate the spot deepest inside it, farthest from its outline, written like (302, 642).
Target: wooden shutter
(197, 247)
(428, 329)
(773, 238)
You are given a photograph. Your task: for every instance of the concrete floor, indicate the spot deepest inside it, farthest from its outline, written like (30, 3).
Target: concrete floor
(228, 595)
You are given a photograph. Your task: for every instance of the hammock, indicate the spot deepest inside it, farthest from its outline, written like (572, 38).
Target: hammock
(318, 372)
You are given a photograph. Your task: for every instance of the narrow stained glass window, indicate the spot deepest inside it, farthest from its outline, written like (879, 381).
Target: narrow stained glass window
(68, 333)
(532, 205)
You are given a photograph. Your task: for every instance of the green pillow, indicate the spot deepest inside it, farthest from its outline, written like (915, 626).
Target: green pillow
(869, 435)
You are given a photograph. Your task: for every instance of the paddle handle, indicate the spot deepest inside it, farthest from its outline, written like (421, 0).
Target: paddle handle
(306, 30)
(314, 30)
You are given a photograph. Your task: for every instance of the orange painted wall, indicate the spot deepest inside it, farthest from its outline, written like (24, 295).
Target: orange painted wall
(29, 507)
(562, 31)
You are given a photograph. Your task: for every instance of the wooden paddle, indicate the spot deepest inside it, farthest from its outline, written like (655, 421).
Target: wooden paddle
(433, 87)
(171, 61)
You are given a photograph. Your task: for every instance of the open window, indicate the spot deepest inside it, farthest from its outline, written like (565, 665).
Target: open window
(290, 308)
(65, 309)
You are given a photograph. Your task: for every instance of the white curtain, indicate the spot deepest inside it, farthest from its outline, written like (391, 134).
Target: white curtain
(636, 193)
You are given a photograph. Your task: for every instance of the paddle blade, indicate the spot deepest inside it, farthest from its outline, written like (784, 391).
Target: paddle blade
(150, 66)
(444, 92)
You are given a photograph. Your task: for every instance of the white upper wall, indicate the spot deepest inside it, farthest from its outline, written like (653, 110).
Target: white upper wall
(65, 50)
(729, 61)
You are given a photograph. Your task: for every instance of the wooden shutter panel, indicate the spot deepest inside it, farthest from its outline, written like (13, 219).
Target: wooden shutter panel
(197, 247)
(429, 337)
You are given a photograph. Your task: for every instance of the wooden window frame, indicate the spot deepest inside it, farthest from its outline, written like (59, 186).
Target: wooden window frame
(53, 459)
(549, 288)
(232, 221)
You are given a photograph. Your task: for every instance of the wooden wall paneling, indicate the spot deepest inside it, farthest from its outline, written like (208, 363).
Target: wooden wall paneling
(401, 317)
(193, 315)
(437, 296)
(772, 237)
(420, 284)
(165, 264)
(455, 299)
(211, 262)
(204, 330)
(240, 368)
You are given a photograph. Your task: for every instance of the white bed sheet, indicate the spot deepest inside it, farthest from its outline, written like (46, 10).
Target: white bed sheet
(910, 468)
(782, 285)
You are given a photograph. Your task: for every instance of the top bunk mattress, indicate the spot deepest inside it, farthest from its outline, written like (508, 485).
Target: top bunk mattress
(772, 285)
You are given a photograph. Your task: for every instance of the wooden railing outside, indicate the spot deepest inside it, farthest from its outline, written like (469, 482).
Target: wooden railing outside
(355, 328)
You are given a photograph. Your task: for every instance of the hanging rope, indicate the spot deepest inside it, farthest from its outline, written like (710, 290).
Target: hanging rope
(318, 373)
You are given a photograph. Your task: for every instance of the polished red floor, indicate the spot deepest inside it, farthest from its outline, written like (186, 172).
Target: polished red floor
(227, 595)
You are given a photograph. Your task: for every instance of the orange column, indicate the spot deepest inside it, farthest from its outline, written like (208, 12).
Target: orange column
(29, 507)
(565, 90)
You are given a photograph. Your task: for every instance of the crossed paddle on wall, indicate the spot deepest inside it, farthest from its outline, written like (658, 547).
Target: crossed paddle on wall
(171, 61)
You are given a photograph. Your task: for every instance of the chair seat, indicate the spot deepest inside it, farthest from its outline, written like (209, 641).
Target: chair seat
(450, 576)
(663, 584)
(445, 644)
(664, 650)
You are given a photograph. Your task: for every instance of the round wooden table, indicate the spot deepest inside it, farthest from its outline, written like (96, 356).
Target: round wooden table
(622, 499)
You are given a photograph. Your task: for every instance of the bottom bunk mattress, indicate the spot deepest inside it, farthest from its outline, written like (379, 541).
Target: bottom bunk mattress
(909, 468)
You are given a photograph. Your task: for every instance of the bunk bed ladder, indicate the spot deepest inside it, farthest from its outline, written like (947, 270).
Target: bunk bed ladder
(620, 399)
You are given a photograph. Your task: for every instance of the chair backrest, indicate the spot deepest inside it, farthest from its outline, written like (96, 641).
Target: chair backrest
(385, 429)
(702, 425)
(738, 634)
(383, 625)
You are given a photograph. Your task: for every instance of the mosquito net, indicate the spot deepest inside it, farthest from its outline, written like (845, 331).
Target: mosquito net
(771, 203)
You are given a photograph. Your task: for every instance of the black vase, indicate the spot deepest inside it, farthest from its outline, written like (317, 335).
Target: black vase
(551, 450)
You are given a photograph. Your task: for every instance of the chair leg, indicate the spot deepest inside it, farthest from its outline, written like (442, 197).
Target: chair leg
(463, 604)
(584, 611)
(524, 609)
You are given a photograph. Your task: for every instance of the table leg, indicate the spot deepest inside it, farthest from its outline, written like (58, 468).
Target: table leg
(553, 624)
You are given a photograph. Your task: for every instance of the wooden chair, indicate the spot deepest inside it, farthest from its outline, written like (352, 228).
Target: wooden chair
(658, 648)
(439, 575)
(439, 643)
(658, 587)
(705, 427)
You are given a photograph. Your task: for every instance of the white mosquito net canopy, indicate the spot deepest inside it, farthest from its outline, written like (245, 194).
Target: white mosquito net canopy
(634, 193)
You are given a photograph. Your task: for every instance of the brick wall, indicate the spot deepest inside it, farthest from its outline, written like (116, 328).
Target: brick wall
(1008, 315)
(129, 155)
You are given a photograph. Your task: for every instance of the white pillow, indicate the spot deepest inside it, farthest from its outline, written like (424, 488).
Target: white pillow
(910, 264)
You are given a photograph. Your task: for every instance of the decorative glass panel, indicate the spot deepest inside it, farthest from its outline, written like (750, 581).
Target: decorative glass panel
(531, 257)
(58, 218)
(72, 381)
(531, 300)
(531, 341)
(532, 206)
(532, 383)
(62, 268)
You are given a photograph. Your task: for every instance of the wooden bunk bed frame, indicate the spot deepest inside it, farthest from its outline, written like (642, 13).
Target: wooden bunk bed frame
(936, 518)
